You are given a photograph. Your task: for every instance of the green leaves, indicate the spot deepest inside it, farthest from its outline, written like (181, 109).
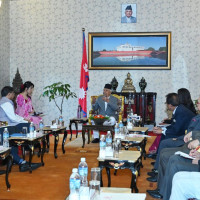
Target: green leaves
(58, 90)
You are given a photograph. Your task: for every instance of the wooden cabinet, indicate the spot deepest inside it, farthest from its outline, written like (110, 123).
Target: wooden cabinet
(143, 104)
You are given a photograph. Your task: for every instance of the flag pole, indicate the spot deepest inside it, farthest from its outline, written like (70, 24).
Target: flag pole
(83, 31)
(84, 78)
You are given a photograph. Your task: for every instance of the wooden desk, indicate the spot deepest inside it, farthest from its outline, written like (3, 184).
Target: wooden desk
(55, 132)
(88, 128)
(76, 121)
(5, 156)
(30, 143)
(127, 160)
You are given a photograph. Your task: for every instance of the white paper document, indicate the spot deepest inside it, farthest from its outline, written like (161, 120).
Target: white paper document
(138, 135)
(185, 155)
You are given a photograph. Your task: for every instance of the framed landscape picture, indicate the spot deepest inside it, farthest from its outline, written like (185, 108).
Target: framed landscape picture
(149, 50)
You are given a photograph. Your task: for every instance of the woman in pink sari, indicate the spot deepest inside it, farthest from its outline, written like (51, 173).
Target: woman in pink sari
(24, 103)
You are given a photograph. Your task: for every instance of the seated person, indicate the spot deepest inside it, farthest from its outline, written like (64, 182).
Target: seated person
(24, 103)
(184, 99)
(170, 164)
(7, 114)
(185, 185)
(106, 105)
(180, 119)
(181, 140)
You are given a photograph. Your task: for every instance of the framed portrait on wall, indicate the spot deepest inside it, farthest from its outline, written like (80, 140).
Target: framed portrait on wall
(129, 12)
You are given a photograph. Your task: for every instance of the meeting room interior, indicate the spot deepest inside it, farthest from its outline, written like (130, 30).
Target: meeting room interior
(99, 99)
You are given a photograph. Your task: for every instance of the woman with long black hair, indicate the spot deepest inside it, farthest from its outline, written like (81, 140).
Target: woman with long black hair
(24, 103)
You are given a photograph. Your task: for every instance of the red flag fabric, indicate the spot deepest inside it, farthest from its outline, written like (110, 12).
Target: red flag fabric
(84, 79)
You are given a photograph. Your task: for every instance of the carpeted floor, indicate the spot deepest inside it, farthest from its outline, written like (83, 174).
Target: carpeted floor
(51, 182)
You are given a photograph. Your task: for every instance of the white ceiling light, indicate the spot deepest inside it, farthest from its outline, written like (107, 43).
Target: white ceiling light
(0, 3)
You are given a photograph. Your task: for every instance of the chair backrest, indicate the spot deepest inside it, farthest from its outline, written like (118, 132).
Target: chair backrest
(120, 104)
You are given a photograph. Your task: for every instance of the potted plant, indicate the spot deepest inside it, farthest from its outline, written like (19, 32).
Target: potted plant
(58, 91)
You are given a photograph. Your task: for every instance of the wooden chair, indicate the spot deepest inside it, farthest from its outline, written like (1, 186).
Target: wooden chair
(120, 111)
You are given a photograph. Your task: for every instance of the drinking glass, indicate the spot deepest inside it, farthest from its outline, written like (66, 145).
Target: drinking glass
(1, 139)
(24, 130)
(84, 193)
(95, 174)
(94, 190)
(116, 147)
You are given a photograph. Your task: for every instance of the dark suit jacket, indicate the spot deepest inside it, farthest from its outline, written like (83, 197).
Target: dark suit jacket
(180, 122)
(112, 106)
(194, 126)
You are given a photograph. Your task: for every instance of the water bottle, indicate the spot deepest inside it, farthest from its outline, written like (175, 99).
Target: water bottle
(31, 128)
(83, 172)
(121, 127)
(102, 142)
(5, 138)
(60, 120)
(41, 125)
(102, 145)
(108, 139)
(79, 111)
(74, 185)
(109, 150)
(116, 128)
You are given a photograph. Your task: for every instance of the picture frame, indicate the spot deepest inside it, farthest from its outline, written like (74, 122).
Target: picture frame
(128, 13)
(139, 50)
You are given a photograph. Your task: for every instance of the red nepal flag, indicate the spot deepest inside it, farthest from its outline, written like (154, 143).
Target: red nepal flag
(84, 81)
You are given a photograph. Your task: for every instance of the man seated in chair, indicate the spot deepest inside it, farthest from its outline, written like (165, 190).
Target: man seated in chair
(7, 113)
(106, 105)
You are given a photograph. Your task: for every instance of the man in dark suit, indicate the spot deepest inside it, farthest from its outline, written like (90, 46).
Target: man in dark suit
(177, 142)
(180, 121)
(169, 163)
(106, 105)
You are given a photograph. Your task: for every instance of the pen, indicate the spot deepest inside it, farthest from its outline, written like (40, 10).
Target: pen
(197, 148)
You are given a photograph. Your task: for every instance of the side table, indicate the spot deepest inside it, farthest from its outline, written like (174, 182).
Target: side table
(88, 128)
(127, 160)
(141, 142)
(76, 121)
(55, 132)
(30, 143)
(138, 142)
(6, 156)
